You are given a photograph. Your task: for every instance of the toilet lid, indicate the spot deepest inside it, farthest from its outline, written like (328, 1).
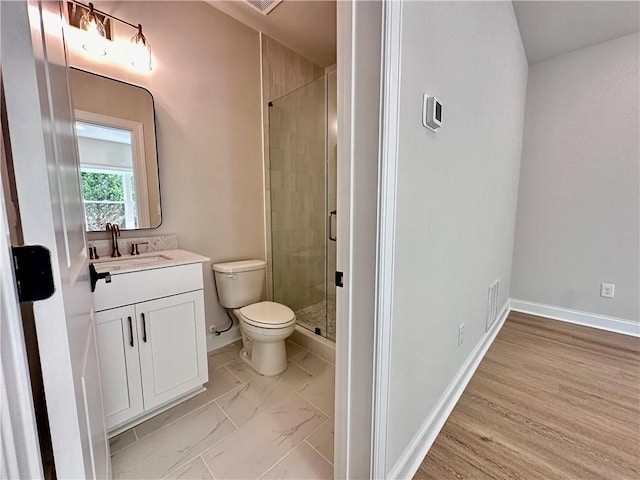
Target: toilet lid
(267, 314)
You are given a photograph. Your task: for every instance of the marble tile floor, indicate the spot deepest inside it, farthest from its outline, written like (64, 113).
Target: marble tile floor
(245, 426)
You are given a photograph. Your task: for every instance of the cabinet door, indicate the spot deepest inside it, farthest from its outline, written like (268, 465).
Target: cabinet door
(173, 352)
(119, 364)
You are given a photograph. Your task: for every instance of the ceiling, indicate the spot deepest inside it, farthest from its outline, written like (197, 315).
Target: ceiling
(551, 28)
(307, 27)
(547, 28)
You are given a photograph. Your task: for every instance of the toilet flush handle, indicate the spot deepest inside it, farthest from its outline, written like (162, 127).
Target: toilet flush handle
(232, 276)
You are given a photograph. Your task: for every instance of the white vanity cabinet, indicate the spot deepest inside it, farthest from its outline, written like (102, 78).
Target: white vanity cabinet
(173, 352)
(117, 337)
(152, 349)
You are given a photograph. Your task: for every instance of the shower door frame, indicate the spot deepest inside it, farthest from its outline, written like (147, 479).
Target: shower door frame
(329, 267)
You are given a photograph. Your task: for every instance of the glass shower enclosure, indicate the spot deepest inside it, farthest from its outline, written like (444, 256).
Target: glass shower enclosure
(302, 157)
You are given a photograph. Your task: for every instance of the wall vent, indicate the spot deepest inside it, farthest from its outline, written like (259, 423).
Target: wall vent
(492, 303)
(264, 6)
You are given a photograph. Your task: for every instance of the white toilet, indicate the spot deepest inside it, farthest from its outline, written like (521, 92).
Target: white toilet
(264, 325)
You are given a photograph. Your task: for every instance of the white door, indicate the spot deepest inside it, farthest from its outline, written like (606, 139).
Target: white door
(119, 364)
(171, 333)
(40, 123)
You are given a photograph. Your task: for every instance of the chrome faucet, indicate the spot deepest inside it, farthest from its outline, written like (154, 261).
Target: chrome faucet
(115, 233)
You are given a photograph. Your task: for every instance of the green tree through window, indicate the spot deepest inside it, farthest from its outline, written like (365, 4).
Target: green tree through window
(104, 199)
(102, 186)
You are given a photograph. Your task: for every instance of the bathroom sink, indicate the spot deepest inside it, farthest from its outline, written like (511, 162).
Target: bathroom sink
(128, 262)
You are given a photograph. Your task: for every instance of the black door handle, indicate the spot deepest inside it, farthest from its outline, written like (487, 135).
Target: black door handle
(95, 276)
(130, 331)
(332, 237)
(144, 329)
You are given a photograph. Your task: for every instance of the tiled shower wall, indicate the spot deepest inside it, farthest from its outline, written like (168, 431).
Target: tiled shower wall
(283, 71)
(298, 211)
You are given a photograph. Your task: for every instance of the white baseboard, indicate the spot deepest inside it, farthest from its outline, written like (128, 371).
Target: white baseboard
(611, 324)
(226, 338)
(410, 461)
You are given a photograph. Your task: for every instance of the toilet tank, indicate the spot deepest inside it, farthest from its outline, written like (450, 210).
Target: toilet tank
(239, 283)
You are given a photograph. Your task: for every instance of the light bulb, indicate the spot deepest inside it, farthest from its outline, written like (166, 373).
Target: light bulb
(140, 51)
(95, 33)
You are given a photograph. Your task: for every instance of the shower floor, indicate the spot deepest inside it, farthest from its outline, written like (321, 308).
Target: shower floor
(315, 316)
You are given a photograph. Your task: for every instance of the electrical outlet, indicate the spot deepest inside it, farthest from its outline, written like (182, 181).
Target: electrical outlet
(607, 290)
(460, 334)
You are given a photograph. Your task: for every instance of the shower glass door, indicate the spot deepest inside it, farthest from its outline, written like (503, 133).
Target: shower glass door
(300, 186)
(331, 189)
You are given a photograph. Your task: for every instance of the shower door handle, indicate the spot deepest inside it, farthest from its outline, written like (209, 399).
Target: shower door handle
(332, 237)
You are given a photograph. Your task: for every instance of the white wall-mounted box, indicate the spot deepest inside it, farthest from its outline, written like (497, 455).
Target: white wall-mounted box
(431, 112)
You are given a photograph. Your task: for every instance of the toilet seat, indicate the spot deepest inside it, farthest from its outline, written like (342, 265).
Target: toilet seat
(268, 315)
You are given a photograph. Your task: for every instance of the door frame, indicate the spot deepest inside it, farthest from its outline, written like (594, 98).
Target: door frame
(389, 139)
(359, 66)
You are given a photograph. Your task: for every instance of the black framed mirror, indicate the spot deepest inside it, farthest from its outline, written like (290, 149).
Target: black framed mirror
(116, 133)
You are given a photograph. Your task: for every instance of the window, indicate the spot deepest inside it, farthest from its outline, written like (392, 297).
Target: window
(109, 197)
(107, 169)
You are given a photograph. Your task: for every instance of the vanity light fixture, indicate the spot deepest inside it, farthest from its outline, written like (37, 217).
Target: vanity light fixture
(140, 51)
(92, 22)
(95, 33)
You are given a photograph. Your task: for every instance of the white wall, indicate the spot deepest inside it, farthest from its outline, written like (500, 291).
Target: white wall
(578, 205)
(206, 87)
(456, 196)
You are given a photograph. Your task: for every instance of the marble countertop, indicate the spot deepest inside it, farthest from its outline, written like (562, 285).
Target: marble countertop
(146, 261)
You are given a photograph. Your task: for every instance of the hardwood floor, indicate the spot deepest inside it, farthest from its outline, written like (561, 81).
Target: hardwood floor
(550, 400)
